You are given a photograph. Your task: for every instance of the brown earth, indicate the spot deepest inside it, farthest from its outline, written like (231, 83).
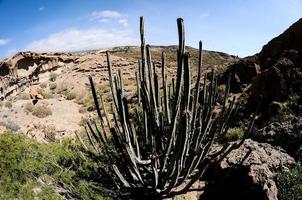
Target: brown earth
(71, 98)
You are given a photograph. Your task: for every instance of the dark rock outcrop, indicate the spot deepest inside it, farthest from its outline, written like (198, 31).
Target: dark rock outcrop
(287, 135)
(271, 71)
(268, 86)
(241, 72)
(248, 173)
(289, 40)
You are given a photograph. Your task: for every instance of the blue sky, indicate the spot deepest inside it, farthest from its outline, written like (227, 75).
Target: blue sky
(239, 27)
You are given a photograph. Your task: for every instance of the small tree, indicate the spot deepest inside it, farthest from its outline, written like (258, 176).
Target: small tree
(165, 148)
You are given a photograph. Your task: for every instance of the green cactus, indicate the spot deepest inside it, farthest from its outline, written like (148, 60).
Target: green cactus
(166, 149)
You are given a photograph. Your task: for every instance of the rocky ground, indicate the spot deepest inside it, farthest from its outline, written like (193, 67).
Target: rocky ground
(61, 82)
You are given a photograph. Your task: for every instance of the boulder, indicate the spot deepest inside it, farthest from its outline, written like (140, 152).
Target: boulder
(242, 72)
(273, 83)
(269, 86)
(287, 134)
(35, 92)
(248, 173)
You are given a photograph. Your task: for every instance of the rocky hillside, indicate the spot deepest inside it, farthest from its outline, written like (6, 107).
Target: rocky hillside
(273, 71)
(270, 83)
(59, 82)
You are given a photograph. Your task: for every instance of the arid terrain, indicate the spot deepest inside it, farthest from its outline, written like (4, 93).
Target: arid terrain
(47, 100)
(67, 95)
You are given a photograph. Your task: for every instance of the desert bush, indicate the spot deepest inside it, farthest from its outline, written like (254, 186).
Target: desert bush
(43, 85)
(83, 121)
(71, 95)
(52, 86)
(82, 109)
(8, 104)
(290, 184)
(62, 88)
(41, 111)
(12, 126)
(80, 98)
(28, 107)
(46, 94)
(23, 96)
(88, 103)
(294, 103)
(50, 132)
(53, 76)
(234, 134)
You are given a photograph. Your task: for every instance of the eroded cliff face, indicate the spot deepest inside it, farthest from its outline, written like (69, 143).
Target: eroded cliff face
(24, 68)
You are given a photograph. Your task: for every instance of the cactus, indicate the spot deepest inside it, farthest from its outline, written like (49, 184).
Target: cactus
(166, 149)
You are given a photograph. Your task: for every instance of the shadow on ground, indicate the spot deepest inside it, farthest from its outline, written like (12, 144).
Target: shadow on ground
(233, 184)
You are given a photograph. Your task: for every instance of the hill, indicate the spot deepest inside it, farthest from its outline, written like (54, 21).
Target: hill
(61, 79)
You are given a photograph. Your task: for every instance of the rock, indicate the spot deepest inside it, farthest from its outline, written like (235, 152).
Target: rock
(25, 67)
(285, 66)
(287, 135)
(247, 69)
(248, 173)
(35, 92)
(269, 86)
(290, 39)
(292, 55)
(243, 71)
(272, 70)
(274, 108)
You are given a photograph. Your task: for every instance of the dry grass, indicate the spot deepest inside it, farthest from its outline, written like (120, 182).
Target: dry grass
(49, 133)
(28, 107)
(8, 104)
(41, 111)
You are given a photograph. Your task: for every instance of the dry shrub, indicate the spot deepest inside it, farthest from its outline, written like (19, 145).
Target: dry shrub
(41, 111)
(50, 132)
(43, 85)
(28, 107)
(103, 88)
(8, 104)
(23, 96)
(52, 86)
(71, 95)
(62, 88)
(53, 76)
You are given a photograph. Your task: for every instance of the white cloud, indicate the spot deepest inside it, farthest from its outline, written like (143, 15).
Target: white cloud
(123, 22)
(97, 15)
(41, 8)
(4, 42)
(205, 15)
(104, 20)
(75, 40)
(108, 16)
